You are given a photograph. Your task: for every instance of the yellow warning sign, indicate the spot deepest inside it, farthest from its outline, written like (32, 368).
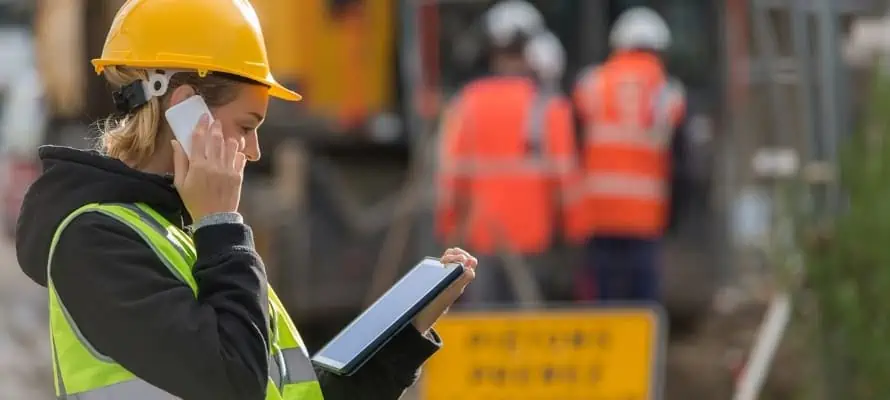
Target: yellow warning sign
(589, 354)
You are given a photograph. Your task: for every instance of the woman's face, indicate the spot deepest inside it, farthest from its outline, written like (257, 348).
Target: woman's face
(242, 117)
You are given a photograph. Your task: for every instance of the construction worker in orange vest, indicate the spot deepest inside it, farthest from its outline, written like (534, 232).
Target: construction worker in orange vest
(630, 110)
(507, 154)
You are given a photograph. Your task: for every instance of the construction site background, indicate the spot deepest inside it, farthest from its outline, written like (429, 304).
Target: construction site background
(341, 203)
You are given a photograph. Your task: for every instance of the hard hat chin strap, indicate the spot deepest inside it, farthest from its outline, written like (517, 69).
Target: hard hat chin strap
(136, 94)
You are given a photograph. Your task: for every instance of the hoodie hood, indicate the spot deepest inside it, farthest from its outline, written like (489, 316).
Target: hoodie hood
(72, 178)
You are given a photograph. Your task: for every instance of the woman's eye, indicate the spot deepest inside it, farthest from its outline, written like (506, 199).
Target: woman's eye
(247, 130)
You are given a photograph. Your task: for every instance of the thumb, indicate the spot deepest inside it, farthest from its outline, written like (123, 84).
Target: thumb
(180, 164)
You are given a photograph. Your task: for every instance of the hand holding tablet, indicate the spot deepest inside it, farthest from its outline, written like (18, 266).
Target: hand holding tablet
(422, 295)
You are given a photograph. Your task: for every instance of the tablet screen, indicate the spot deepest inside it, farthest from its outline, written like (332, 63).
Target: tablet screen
(387, 311)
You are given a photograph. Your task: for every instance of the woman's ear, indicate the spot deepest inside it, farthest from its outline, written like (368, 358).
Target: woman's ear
(180, 94)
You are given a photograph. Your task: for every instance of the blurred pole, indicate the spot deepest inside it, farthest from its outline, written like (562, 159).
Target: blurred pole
(802, 45)
(60, 44)
(829, 53)
(411, 68)
(829, 62)
(413, 219)
(737, 77)
(428, 107)
(590, 49)
(292, 237)
(736, 16)
(413, 86)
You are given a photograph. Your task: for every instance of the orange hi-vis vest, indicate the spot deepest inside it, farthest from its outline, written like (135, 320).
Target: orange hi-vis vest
(507, 156)
(630, 109)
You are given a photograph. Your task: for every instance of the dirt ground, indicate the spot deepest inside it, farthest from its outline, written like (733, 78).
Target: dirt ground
(25, 368)
(709, 343)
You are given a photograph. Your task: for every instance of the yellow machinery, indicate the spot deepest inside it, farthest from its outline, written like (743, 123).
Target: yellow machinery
(339, 53)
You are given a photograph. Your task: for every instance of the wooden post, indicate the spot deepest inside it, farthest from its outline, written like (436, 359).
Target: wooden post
(291, 231)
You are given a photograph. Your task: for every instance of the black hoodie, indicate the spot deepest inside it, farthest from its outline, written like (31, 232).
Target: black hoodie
(130, 307)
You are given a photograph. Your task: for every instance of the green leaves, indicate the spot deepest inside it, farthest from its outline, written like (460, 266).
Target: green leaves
(849, 272)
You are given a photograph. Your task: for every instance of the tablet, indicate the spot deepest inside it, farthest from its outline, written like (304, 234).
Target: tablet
(368, 332)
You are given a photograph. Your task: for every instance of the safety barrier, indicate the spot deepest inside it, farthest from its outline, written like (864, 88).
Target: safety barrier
(559, 353)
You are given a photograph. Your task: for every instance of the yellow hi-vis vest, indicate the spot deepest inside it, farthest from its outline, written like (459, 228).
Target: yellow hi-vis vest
(82, 373)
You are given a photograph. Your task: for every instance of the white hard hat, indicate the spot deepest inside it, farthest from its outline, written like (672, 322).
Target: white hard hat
(507, 19)
(640, 27)
(546, 56)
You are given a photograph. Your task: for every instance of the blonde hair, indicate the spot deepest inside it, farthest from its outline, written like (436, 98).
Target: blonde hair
(133, 137)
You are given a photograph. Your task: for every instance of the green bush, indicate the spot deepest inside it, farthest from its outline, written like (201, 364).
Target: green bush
(848, 264)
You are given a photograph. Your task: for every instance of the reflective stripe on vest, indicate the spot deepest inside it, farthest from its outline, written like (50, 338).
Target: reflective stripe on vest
(471, 167)
(298, 368)
(625, 185)
(134, 389)
(82, 373)
(137, 389)
(617, 135)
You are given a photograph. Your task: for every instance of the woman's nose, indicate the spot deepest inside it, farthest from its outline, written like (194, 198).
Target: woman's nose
(252, 147)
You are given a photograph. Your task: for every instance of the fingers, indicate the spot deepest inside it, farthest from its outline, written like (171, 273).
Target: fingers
(199, 139)
(210, 144)
(229, 152)
(458, 255)
(217, 144)
(472, 263)
(240, 162)
(452, 251)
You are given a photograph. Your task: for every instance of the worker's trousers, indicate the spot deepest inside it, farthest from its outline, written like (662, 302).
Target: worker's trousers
(624, 269)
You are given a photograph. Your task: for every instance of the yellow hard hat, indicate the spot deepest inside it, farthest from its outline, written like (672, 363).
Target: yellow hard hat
(202, 35)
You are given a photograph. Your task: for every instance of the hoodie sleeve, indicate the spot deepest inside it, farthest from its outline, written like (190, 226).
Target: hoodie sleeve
(131, 308)
(386, 375)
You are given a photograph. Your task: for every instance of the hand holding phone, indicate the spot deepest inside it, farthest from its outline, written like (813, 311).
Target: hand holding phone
(183, 119)
(208, 169)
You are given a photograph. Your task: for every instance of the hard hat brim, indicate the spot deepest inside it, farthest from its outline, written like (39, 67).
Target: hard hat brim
(276, 89)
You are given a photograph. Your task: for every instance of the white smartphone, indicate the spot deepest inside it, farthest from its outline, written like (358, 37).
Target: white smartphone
(184, 117)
